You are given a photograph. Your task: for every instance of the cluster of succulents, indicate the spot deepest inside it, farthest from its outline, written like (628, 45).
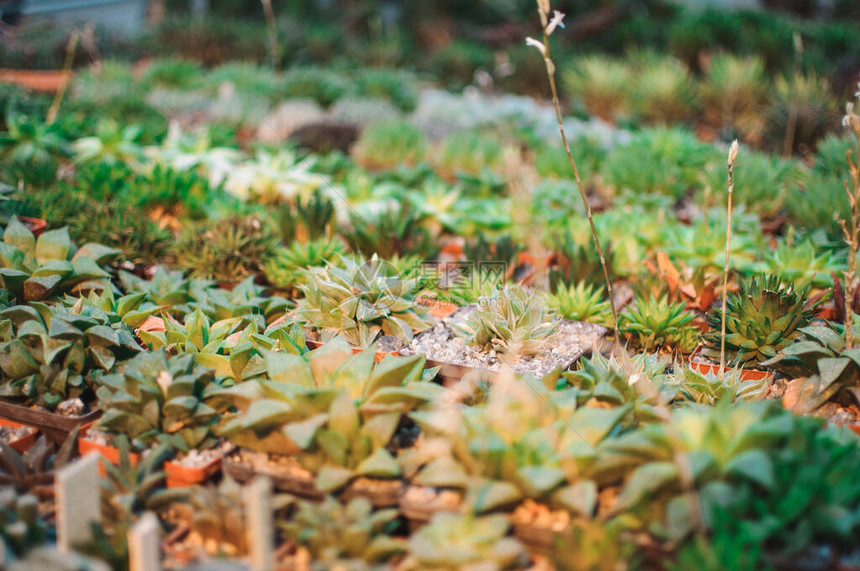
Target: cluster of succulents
(360, 301)
(655, 324)
(510, 320)
(332, 408)
(581, 302)
(763, 317)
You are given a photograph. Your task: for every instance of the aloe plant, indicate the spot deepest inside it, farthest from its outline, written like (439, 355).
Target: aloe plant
(51, 353)
(21, 530)
(722, 444)
(334, 409)
(510, 320)
(37, 269)
(828, 366)
(351, 535)
(581, 302)
(803, 264)
(360, 301)
(762, 317)
(654, 324)
(232, 347)
(514, 447)
(710, 388)
(155, 399)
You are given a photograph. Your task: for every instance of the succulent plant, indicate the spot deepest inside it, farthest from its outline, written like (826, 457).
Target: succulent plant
(274, 177)
(516, 446)
(663, 92)
(615, 382)
(391, 231)
(245, 299)
(334, 409)
(657, 160)
(126, 492)
(215, 516)
(360, 301)
(470, 152)
(828, 366)
(458, 541)
(394, 85)
(21, 528)
(225, 250)
(322, 85)
(602, 83)
(390, 144)
(37, 269)
(232, 347)
(33, 471)
(762, 318)
(710, 388)
(511, 320)
(803, 264)
(155, 399)
(580, 263)
(31, 145)
(352, 535)
(286, 269)
(167, 193)
(50, 353)
(703, 244)
(580, 302)
(166, 288)
(654, 324)
(307, 220)
(733, 93)
(110, 144)
(806, 103)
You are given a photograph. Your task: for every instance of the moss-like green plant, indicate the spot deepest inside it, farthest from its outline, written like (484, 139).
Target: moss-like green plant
(602, 83)
(225, 250)
(390, 144)
(663, 92)
(470, 152)
(763, 317)
(511, 320)
(801, 112)
(734, 90)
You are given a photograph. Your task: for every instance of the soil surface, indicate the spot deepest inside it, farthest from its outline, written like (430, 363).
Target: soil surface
(10, 434)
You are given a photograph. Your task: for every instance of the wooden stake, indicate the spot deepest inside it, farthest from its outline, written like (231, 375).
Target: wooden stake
(78, 506)
(143, 544)
(259, 524)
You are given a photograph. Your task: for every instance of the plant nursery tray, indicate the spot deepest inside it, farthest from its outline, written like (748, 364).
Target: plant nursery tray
(43, 81)
(55, 427)
(382, 494)
(21, 443)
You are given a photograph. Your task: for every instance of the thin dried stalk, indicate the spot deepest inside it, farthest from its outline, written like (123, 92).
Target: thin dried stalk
(67, 76)
(273, 33)
(549, 25)
(733, 154)
(852, 234)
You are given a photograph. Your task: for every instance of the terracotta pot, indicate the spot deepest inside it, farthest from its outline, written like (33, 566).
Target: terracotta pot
(55, 427)
(714, 368)
(35, 225)
(453, 248)
(22, 443)
(826, 311)
(43, 81)
(107, 452)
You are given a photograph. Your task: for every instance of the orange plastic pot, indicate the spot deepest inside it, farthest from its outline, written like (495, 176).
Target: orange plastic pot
(543, 260)
(43, 81)
(22, 443)
(177, 475)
